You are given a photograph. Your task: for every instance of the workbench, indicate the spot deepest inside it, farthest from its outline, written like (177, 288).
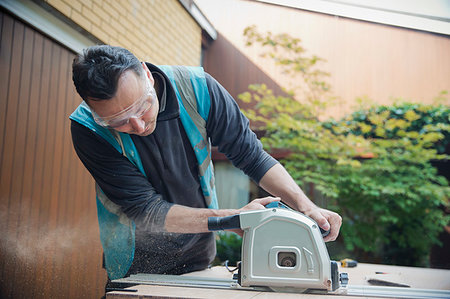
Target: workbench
(418, 278)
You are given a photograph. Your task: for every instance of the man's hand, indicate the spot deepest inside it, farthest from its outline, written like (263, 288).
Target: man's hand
(256, 204)
(277, 181)
(326, 220)
(259, 203)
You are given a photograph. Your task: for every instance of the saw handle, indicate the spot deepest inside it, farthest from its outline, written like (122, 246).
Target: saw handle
(324, 232)
(279, 204)
(222, 223)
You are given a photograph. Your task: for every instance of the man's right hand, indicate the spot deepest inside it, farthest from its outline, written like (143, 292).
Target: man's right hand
(256, 204)
(259, 203)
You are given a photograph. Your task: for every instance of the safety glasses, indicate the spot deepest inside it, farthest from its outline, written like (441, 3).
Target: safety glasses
(135, 110)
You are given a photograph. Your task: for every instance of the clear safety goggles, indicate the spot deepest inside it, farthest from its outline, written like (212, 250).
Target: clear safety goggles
(135, 110)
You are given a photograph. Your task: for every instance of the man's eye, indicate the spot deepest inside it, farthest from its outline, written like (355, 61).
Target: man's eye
(117, 124)
(143, 108)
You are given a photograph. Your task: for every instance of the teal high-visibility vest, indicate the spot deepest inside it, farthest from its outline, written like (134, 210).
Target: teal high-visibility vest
(117, 231)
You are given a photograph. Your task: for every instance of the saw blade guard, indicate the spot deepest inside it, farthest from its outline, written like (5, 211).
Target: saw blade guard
(283, 248)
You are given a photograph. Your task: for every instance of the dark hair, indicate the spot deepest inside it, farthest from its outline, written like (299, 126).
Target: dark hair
(96, 72)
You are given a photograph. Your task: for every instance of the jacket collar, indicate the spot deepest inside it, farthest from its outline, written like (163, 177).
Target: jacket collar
(168, 103)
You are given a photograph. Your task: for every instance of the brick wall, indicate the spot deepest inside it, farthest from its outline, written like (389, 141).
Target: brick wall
(157, 31)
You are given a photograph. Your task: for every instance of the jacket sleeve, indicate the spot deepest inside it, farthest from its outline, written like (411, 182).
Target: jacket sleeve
(229, 129)
(120, 180)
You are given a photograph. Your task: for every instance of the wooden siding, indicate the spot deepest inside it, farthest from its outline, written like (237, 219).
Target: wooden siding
(364, 59)
(234, 70)
(49, 232)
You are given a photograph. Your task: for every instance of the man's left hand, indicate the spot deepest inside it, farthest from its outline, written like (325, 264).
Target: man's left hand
(327, 220)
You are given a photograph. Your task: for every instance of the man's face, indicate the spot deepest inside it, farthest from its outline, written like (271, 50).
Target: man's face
(133, 109)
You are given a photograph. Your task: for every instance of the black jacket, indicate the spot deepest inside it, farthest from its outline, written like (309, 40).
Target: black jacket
(172, 175)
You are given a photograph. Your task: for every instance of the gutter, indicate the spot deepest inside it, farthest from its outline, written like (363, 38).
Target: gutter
(439, 24)
(48, 23)
(199, 17)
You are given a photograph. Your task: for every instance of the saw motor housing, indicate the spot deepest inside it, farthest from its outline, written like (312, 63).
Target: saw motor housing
(284, 248)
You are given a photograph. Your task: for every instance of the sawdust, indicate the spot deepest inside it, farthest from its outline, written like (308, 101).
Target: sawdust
(33, 238)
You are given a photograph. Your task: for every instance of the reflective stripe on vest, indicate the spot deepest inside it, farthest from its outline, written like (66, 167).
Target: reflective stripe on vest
(117, 231)
(194, 113)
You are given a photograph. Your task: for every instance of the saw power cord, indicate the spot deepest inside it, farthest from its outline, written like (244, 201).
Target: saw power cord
(226, 266)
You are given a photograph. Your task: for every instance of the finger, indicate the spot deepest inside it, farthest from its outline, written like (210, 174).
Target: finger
(266, 200)
(336, 222)
(332, 236)
(321, 220)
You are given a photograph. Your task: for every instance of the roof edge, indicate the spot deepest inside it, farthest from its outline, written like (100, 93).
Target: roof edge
(46, 22)
(199, 17)
(370, 14)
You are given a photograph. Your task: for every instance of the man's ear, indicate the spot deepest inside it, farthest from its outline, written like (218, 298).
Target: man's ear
(148, 73)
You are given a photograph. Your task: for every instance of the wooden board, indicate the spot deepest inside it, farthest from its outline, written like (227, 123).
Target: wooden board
(422, 278)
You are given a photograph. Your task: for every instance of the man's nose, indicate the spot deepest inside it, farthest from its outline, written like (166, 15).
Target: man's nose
(137, 124)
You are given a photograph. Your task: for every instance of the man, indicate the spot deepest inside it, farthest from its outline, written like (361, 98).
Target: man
(135, 136)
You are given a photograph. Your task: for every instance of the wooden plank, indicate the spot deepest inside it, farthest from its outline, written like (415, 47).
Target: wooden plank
(74, 186)
(87, 222)
(6, 32)
(59, 103)
(48, 168)
(38, 93)
(19, 174)
(40, 192)
(76, 200)
(1, 25)
(77, 257)
(61, 230)
(5, 61)
(8, 154)
(415, 277)
(30, 182)
(65, 174)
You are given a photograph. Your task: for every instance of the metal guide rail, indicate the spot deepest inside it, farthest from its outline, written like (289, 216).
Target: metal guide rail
(223, 283)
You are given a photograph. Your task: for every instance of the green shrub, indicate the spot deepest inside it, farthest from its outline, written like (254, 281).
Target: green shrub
(402, 120)
(392, 203)
(228, 247)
